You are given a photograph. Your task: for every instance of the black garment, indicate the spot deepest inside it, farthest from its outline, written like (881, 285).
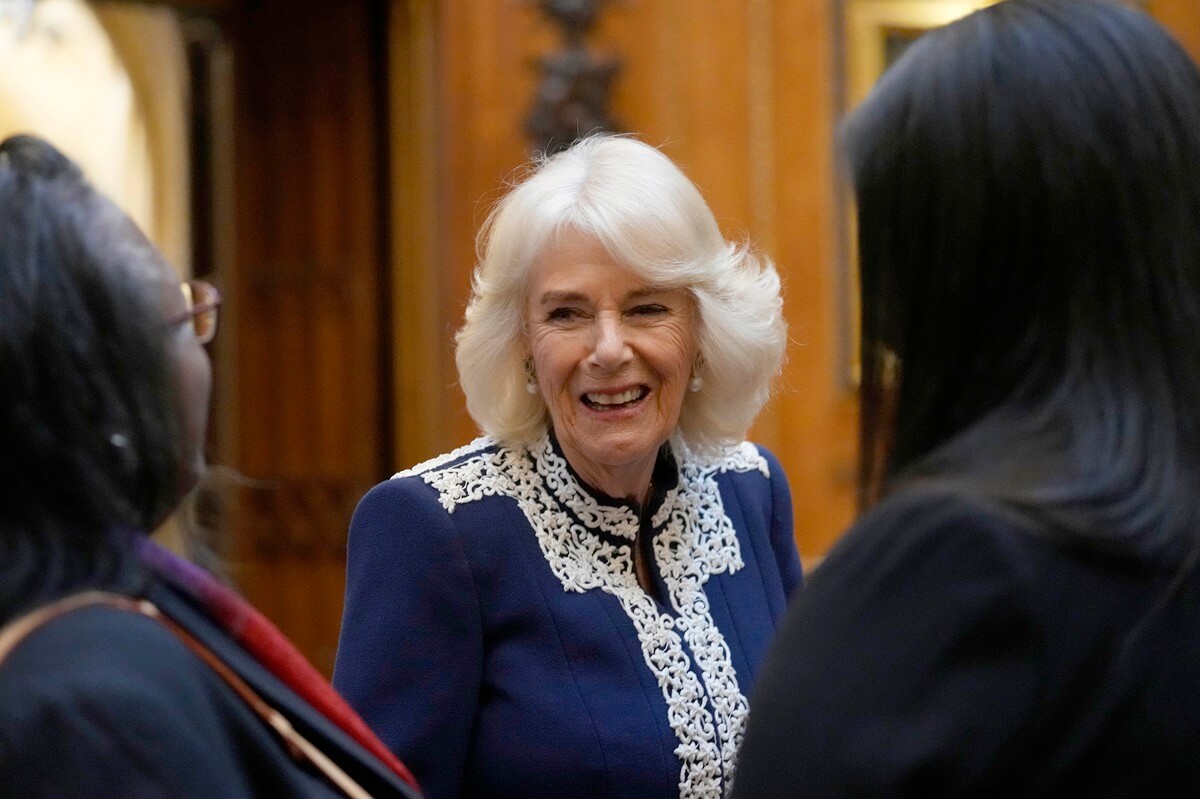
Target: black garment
(106, 703)
(943, 651)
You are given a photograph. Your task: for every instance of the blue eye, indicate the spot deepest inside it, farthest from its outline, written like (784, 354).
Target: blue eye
(561, 314)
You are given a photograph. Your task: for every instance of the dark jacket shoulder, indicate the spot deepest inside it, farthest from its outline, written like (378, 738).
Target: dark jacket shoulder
(102, 702)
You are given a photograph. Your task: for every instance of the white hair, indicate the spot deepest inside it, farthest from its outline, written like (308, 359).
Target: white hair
(653, 220)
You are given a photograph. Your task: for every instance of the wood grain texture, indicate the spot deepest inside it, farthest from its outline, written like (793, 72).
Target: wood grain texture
(307, 283)
(1182, 18)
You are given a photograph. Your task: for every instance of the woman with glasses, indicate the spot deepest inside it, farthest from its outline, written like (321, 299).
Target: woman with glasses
(126, 671)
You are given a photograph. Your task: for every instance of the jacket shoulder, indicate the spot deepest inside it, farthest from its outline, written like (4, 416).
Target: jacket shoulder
(110, 701)
(100, 647)
(469, 473)
(468, 452)
(743, 458)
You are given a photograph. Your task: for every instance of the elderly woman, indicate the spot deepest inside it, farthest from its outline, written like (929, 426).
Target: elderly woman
(124, 670)
(577, 604)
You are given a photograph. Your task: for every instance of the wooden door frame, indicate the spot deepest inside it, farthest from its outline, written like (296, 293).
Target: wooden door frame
(421, 388)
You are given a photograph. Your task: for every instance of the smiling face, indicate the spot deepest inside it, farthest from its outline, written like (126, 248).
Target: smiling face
(613, 356)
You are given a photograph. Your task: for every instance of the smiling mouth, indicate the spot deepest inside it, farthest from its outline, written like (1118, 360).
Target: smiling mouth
(607, 402)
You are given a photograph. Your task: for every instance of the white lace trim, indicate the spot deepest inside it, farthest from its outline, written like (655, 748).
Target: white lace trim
(696, 540)
(483, 442)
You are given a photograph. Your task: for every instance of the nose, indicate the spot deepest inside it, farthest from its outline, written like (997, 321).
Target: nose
(611, 349)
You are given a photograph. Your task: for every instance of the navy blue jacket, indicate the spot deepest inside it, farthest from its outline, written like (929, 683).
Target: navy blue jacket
(495, 634)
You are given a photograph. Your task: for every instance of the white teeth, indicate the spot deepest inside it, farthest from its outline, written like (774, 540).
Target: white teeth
(615, 399)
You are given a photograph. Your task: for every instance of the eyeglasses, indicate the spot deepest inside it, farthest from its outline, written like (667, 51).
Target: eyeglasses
(202, 300)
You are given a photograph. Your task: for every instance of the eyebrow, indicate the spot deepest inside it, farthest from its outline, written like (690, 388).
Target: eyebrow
(562, 296)
(577, 296)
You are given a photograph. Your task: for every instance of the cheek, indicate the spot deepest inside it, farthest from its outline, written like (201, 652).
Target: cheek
(194, 386)
(675, 354)
(539, 350)
(673, 361)
(554, 356)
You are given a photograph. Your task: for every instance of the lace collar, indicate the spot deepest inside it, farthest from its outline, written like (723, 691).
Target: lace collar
(664, 477)
(601, 513)
(587, 540)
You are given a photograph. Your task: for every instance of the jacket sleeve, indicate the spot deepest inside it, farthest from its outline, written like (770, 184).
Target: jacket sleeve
(783, 535)
(906, 662)
(410, 653)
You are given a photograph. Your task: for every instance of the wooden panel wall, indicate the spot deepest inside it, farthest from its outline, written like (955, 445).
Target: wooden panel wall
(740, 93)
(305, 301)
(1182, 17)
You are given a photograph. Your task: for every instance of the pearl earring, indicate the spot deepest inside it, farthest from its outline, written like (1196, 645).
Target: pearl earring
(697, 382)
(530, 377)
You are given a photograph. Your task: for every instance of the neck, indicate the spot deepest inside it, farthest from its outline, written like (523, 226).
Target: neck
(630, 481)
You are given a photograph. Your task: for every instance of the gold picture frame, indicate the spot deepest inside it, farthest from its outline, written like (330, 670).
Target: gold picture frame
(876, 32)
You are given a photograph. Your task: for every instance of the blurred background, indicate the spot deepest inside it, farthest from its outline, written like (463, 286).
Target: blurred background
(327, 163)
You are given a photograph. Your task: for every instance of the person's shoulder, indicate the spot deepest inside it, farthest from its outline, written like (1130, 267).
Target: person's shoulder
(98, 652)
(477, 451)
(745, 458)
(422, 481)
(420, 504)
(928, 528)
(107, 702)
(924, 510)
(773, 470)
(99, 669)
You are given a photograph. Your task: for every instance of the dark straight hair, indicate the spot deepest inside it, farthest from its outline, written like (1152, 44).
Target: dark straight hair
(1028, 187)
(88, 429)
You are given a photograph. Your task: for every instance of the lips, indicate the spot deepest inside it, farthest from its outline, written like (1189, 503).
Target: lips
(600, 400)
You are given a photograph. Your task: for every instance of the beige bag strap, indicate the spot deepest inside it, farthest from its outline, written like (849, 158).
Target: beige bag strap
(300, 747)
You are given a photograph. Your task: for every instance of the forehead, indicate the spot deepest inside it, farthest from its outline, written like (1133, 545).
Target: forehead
(577, 263)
